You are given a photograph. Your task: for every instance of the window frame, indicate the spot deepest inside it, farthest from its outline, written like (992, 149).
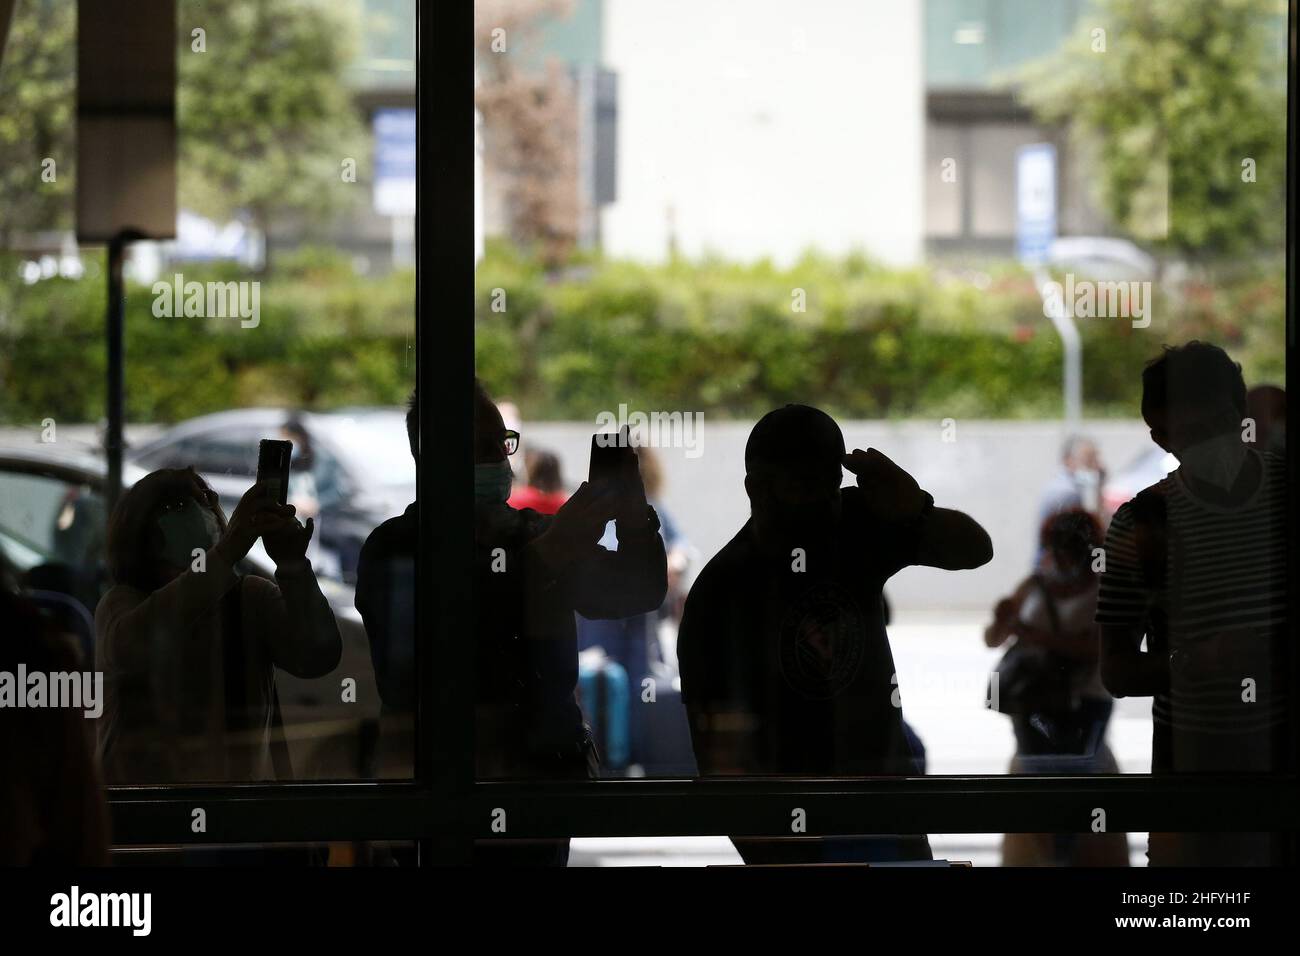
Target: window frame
(444, 807)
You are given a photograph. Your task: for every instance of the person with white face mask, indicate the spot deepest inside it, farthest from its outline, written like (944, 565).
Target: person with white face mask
(1048, 684)
(1076, 486)
(1217, 460)
(1196, 566)
(188, 645)
(185, 527)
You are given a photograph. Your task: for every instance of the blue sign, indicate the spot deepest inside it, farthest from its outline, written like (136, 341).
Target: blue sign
(395, 162)
(1035, 202)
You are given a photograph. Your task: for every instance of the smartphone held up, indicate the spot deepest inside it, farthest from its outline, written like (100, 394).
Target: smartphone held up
(273, 457)
(613, 459)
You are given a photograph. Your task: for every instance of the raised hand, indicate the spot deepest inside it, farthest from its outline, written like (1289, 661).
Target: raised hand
(289, 544)
(256, 514)
(577, 527)
(581, 520)
(891, 493)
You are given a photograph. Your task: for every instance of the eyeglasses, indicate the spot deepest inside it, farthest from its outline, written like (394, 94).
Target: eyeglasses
(510, 441)
(179, 502)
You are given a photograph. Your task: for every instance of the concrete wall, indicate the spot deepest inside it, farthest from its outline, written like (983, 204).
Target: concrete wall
(994, 471)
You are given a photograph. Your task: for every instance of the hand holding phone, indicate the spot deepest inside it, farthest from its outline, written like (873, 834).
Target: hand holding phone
(610, 454)
(614, 465)
(257, 514)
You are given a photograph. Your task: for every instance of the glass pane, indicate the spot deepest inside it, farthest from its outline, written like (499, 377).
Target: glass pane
(948, 849)
(810, 241)
(286, 855)
(943, 205)
(281, 309)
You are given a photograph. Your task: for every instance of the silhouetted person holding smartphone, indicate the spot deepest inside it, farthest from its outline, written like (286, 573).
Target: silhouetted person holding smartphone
(1196, 565)
(531, 573)
(188, 644)
(786, 667)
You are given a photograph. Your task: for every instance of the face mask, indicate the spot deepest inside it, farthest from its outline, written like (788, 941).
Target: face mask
(1088, 481)
(184, 530)
(492, 481)
(1216, 461)
(1086, 477)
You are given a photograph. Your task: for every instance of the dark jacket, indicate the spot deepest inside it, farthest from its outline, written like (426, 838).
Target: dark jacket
(528, 719)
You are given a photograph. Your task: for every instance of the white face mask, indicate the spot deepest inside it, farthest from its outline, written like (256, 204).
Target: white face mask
(1215, 461)
(185, 530)
(1088, 481)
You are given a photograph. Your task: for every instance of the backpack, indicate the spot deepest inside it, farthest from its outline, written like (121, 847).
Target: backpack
(1034, 680)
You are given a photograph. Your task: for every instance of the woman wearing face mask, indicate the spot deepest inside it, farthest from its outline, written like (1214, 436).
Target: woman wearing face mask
(188, 645)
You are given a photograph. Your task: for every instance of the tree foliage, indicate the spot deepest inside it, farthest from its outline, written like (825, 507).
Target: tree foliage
(264, 115)
(37, 114)
(265, 119)
(529, 127)
(1166, 102)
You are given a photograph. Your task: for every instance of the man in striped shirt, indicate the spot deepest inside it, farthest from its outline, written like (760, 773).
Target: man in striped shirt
(1196, 564)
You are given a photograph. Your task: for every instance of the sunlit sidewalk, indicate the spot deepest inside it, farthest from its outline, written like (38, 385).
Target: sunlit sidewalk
(943, 669)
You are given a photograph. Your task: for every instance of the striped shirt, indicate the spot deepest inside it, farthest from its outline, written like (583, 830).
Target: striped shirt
(1210, 583)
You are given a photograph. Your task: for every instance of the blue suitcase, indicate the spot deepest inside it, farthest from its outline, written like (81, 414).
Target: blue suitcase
(604, 695)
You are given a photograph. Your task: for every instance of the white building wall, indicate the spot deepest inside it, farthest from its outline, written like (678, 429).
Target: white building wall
(766, 127)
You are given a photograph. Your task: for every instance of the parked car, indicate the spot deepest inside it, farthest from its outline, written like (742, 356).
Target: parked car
(52, 521)
(1101, 257)
(361, 472)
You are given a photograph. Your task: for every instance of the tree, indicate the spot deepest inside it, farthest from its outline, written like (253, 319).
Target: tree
(265, 119)
(38, 99)
(1179, 110)
(529, 124)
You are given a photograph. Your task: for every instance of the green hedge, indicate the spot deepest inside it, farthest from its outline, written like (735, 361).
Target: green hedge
(873, 342)
(326, 338)
(702, 336)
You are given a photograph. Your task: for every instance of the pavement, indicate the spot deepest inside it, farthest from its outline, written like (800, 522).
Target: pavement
(943, 669)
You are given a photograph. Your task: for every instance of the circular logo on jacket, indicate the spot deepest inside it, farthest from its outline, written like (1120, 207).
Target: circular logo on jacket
(823, 641)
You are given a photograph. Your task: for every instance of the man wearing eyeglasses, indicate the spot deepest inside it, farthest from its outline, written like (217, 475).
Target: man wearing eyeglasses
(531, 573)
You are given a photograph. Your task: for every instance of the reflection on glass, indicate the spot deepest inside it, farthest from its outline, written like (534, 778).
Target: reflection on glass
(970, 272)
(1196, 565)
(188, 646)
(281, 310)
